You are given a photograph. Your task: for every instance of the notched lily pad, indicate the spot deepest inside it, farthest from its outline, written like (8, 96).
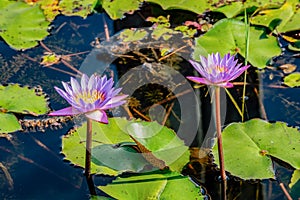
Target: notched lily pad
(248, 146)
(17, 99)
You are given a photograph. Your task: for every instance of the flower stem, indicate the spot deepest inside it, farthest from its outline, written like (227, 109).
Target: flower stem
(88, 157)
(219, 138)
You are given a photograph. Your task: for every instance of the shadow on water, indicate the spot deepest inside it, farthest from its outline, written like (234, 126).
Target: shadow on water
(33, 158)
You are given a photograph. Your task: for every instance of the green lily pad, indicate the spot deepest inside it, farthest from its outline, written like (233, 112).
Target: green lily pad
(292, 80)
(77, 8)
(17, 99)
(228, 35)
(73, 144)
(119, 157)
(162, 142)
(190, 5)
(131, 35)
(22, 25)
(117, 8)
(9, 123)
(248, 146)
(295, 178)
(169, 186)
(286, 18)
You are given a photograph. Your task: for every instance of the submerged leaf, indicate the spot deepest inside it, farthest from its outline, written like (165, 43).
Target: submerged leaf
(153, 186)
(9, 123)
(118, 157)
(17, 99)
(228, 35)
(248, 146)
(22, 25)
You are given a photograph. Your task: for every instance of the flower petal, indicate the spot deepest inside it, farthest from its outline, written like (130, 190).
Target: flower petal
(114, 102)
(97, 115)
(67, 88)
(84, 83)
(199, 80)
(75, 86)
(64, 112)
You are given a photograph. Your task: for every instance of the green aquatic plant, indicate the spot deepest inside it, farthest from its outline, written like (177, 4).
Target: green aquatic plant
(250, 147)
(159, 146)
(169, 185)
(15, 99)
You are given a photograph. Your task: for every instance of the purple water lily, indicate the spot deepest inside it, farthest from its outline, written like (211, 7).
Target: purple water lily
(217, 71)
(94, 96)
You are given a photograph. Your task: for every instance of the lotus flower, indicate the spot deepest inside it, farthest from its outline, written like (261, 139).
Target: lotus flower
(92, 97)
(217, 71)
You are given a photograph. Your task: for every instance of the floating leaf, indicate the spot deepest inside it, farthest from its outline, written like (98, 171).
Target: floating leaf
(286, 18)
(228, 35)
(22, 25)
(162, 142)
(131, 35)
(292, 80)
(153, 186)
(122, 158)
(295, 178)
(77, 8)
(9, 123)
(247, 147)
(73, 144)
(117, 8)
(50, 8)
(17, 99)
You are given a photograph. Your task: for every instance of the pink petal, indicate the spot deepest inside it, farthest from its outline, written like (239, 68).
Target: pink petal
(225, 85)
(199, 80)
(97, 115)
(64, 112)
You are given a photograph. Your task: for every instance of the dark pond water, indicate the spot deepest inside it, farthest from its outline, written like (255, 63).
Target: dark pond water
(34, 160)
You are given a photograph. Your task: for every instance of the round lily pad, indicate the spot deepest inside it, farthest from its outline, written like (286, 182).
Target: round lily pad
(248, 146)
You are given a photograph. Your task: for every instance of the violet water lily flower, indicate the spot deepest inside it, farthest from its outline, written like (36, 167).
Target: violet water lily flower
(94, 96)
(217, 71)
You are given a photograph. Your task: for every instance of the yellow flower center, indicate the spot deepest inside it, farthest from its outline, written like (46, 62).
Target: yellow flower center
(221, 69)
(88, 97)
